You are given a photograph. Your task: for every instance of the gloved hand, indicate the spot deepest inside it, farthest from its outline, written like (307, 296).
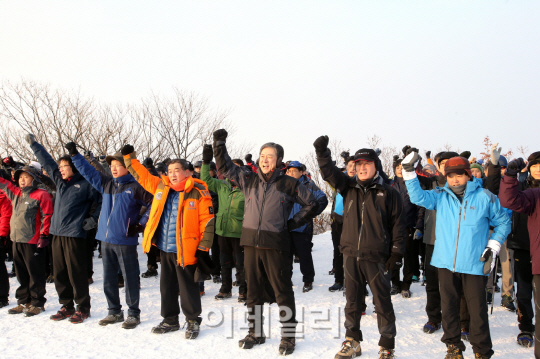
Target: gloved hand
(489, 255)
(345, 155)
(30, 139)
(395, 158)
(515, 167)
(102, 158)
(90, 156)
(394, 262)
(321, 145)
(207, 154)
(220, 135)
(465, 154)
(418, 235)
(3, 242)
(495, 154)
(135, 229)
(249, 158)
(378, 151)
(89, 223)
(428, 154)
(72, 148)
(8, 161)
(200, 253)
(409, 164)
(127, 149)
(43, 241)
(291, 225)
(148, 162)
(405, 149)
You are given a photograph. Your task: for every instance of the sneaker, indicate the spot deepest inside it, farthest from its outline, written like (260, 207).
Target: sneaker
(216, 279)
(332, 272)
(4, 303)
(21, 308)
(242, 298)
(525, 339)
(406, 293)
(221, 296)
(112, 318)
(395, 290)
(481, 356)
(150, 273)
(235, 283)
(349, 349)
(50, 279)
(131, 322)
(430, 327)
(12, 274)
(286, 346)
(453, 352)
(63, 313)
(163, 328)
(251, 340)
(465, 334)
(79, 317)
(193, 329)
(33, 310)
(508, 303)
(385, 353)
(336, 287)
(307, 287)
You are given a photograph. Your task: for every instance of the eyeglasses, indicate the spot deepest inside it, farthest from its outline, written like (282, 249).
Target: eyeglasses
(64, 166)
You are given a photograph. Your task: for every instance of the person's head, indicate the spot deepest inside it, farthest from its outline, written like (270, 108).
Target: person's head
(66, 167)
(118, 169)
(533, 165)
(270, 156)
(161, 169)
(178, 171)
(477, 170)
(213, 170)
(295, 169)
(26, 176)
(197, 166)
(364, 161)
(398, 170)
(457, 171)
(443, 158)
(25, 180)
(350, 166)
(238, 162)
(503, 162)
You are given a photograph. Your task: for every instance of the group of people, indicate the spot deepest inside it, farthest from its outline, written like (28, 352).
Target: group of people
(449, 221)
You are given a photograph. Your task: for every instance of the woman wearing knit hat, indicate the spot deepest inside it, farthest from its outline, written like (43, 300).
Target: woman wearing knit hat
(477, 170)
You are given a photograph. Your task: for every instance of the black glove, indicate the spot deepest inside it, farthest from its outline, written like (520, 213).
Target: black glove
(405, 149)
(8, 161)
(30, 139)
(396, 157)
(102, 158)
(345, 155)
(515, 167)
(200, 253)
(394, 262)
(321, 145)
(291, 225)
(465, 154)
(220, 135)
(127, 149)
(72, 148)
(411, 162)
(148, 162)
(207, 154)
(89, 223)
(43, 241)
(428, 154)
(249, 158)
(135, 229)
(3, 242)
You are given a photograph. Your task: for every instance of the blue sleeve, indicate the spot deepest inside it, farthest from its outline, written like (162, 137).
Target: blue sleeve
(145, 216)
(48, 163)
(322, 201)
(426, 199)
(93, 176)
(338, 208)
(498, 218)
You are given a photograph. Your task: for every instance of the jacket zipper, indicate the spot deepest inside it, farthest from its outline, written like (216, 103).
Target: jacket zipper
(361, 227)
(265, 185)
(457, 239)
(181, 226)
(127, 229)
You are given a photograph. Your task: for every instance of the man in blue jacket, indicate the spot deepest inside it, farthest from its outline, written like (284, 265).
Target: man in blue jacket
(464, 253)
(74, 197)
(118, 230)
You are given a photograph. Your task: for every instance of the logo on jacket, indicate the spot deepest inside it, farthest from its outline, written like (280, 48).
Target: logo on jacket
(472, 207)
(380, 194)
(77, 185)
(191, 204)
(26, 203)
(211, 210)
(159, 195)
(128, 191)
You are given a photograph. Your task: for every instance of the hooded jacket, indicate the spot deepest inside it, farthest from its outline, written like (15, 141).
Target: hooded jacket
(322, 203)
(5, 214)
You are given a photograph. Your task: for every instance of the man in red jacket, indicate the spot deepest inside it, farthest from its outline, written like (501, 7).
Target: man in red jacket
(5, 216)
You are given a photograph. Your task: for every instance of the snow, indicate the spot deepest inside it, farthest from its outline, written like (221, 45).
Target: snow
(323, 332)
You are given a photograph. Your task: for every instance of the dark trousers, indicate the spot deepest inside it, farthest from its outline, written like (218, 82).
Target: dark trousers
(231, 253)
(48, 261)
(29, 262)
(301, 244)
(152, 258)
(271, 266)
(215, 256)
(337, 262)
(524, 278)
(357, 273)
(117, 257)
(4, 278)
(473, 287)
(433, 303)
(71, 272)
(176, 279)
(536, 289)
(410, 262)
(90, 241)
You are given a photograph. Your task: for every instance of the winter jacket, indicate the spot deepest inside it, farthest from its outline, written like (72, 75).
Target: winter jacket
(462, 226)
(519, 236)
(31, 212)
(74, 197)
(166, 233)
(527, 202)
(410, 210)
(5, 214)
(268, 203)
(195, 229)
(373, 226)
(231, 204)
(322, 202)
(337, 208)
(122, 199)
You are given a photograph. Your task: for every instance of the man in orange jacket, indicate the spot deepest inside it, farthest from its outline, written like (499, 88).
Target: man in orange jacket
(181, 226)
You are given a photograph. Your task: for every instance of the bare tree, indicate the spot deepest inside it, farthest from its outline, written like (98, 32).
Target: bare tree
(524, 150)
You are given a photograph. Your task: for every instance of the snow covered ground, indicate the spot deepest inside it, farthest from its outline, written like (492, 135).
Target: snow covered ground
(323, 333)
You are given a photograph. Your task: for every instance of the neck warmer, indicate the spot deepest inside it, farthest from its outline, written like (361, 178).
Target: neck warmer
(441, 180)
(179, 187)
(533, 183)
(459, 191)
(368, 182)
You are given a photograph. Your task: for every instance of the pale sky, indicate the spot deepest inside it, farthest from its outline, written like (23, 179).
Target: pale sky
(423, 73)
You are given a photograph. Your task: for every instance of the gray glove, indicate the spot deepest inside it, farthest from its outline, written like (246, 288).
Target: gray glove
(89, 223)
(418, 235)
(495, 154)
(30, 139)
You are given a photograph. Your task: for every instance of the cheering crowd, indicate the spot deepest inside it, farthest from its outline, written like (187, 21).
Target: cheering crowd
(450, 222)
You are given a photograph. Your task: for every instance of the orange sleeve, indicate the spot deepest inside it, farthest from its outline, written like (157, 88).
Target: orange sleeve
(146, 180)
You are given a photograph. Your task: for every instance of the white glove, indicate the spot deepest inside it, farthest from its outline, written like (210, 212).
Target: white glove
(495, 154)
(410, 162)
(489, 255)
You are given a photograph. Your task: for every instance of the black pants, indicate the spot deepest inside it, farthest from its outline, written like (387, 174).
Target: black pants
(433, 303)
(90, 241)
(71, 272)
(536, 289)
(215, 256)
(176, 279)
(152, 258)
(48, 261)
(231, 253)
(357, 273)
(4, 279)
(337, 262)
(301, 244)
(29, 262)
(271, 266)
(410, 262)
(473, 288)
(524, 278)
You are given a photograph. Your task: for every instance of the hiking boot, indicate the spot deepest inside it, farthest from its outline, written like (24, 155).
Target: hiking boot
(251, 340)
(112, 318)
(63, 313)
(453, 352)
(33, 310)
(4, 303)
(332, 272)
(286, 346)
(50, 279)
(349, 349)
(236, 283)
(193, 329)
(525, 339)
(385, 353)
(202, 293)
(430, 327)
(395, 290)
(406, 293)
(216, 279)
(150, 273)
(508, 303)
(79, 317)
(307, 287)
(481, 356)
(131, 322)
(296, 259)
(163, 328)
(336, 287)
(242, 298)
(489, 297)
(465, 334)
(221, 296)
(21, 308)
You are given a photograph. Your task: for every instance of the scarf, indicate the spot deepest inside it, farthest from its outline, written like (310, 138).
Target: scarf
(179, 187)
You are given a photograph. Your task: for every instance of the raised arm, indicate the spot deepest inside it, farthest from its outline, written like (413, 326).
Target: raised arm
(45, 159)
(212, 183)
(224, 163)
(330, 173)
(510, 195)
(9, 189)
(138, 171)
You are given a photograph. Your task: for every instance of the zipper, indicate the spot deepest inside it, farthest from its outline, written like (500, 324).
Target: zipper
(181, 225)
(465, 213)
(349, 206)
(127, 229)
(361, 227)
(265, 185)
(457, 239)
